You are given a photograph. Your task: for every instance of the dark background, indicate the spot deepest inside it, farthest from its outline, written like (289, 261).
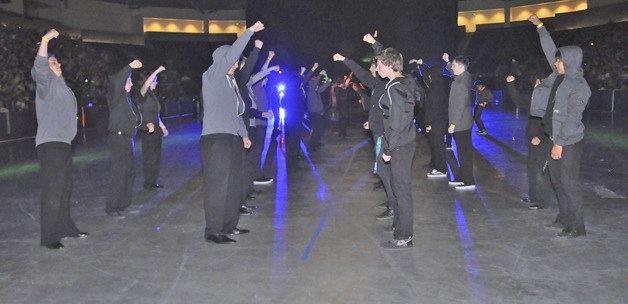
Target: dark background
(302, 32)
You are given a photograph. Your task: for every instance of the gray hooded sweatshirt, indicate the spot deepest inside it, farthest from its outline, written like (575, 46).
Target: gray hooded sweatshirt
(460, 101)
(55, 105)
(222, 106)
(571, 96)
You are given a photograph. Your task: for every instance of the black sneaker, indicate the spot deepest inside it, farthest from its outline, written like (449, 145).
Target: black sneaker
(263, 181)
(535, 207)
(398, 244)
(245, 211)
(386, 214)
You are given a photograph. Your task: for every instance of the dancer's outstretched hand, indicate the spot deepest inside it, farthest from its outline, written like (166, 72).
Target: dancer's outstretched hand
(338, 57)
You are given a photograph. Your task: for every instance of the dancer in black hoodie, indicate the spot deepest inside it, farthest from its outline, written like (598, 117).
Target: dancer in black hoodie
(435, 116)
(397, 104)
(375, 119)
(151, 141)
(124, 119)
(540, 190)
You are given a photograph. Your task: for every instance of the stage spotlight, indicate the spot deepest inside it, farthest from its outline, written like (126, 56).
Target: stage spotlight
(281, 88)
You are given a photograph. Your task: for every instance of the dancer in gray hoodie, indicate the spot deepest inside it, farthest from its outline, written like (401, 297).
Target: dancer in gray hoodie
(56, 119)
(560, 99)
(223, 136)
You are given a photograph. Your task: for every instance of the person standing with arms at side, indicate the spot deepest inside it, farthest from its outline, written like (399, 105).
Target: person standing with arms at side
(151, 141)
(124, 119)
(483, 97)
(461, 121)
(435, 116)
(397, 104)
(56, 127)
(562, 111)
(223, 136)
(315, 109)
(540, 188)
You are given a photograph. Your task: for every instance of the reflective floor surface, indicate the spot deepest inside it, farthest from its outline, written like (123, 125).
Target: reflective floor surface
(315, 238)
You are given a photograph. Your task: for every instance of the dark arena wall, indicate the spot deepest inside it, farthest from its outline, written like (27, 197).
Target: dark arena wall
(306, 31)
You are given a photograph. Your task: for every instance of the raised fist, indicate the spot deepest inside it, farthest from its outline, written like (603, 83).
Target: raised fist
(534, 19)
(338, 57)
(368, 38)
(258, 26)
(52, 34)
(135, 64)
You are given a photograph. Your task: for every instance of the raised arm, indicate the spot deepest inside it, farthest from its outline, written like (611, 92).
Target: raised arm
(515, 94)
(271, 55)
(41, 71)
(261, 75)
(309, 73)
(448, 63)
(223, 64)
(150, 79)
(377, 47)
(547, 43)
(43, 45)
(362, 74)
(247, 70)
(118, 80)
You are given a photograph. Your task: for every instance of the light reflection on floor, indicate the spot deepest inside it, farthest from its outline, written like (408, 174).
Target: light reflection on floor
(474, 274)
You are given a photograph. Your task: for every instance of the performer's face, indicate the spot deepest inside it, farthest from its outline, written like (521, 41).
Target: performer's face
(457, 67)
(383, 70)
(55, 66)
(560, 66)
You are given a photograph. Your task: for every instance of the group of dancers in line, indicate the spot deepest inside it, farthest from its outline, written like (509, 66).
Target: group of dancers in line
(555, 131)
(237, 111)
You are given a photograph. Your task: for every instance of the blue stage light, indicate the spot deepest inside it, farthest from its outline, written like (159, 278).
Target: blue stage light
(281, 87)
(282, 114)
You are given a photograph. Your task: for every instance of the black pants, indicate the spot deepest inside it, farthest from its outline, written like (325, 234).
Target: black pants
(55, 170)
(317, 124)
(268, 166)
(343, 118)
(477, 116)
(564, 175)
(384, 171)
(222, 181)
(257, 147)
(293, 144)
(541, 191)
(122, 174)
(151, 155)
(248, 170)
(437, 147)
(401, 168)
(465, 157)
(448, 138)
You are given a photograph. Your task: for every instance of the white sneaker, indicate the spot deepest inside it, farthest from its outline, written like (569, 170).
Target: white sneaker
(263, 181)
(465, 187)
(436, 173)
(455, 183)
